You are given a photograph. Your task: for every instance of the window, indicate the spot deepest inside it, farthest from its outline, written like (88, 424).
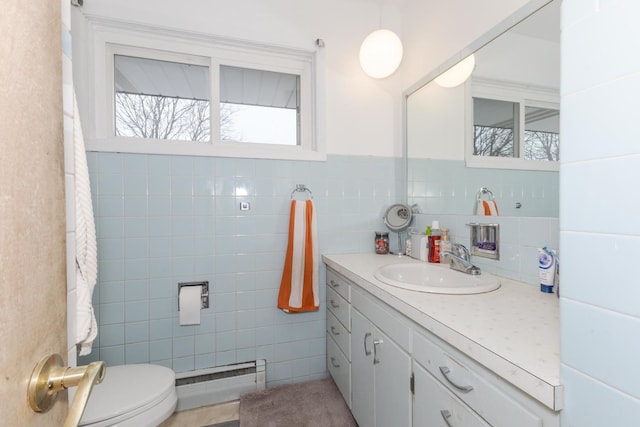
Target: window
(513, 128)
(259, 106)
(165, 95)
(161, 100)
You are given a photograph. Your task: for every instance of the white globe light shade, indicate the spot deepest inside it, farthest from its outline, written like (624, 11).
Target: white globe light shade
(381, 53)
(457, 74)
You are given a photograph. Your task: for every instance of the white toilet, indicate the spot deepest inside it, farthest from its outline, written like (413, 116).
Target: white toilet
(132, 395)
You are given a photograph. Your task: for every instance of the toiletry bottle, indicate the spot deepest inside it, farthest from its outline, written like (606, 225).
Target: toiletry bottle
(423, 253)
(434, 242)
(424, 245)
(546, 269)
(407, 245)
(445, 245)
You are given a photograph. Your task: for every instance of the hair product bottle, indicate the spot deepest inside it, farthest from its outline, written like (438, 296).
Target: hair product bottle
(434, 242)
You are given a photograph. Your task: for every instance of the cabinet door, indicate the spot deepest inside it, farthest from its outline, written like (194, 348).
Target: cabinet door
(392, 370)
(362, 379)
(435, 406)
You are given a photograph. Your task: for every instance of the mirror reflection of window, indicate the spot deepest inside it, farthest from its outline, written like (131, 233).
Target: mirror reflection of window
(495, 128)
(541, 134)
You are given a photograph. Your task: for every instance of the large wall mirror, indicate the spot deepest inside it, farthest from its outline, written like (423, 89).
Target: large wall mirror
(513, 91)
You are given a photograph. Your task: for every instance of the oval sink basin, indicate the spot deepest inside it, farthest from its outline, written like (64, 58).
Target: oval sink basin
(439, 279)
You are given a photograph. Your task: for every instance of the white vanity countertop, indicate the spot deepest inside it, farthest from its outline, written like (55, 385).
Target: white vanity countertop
(514, 331)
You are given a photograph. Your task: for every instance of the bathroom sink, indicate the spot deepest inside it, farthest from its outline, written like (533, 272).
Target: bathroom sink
(435, 278)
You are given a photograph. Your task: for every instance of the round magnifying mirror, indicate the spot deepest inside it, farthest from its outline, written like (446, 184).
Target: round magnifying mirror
(397, 219)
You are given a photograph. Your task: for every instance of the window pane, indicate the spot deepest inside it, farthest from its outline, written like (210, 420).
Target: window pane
(161, 99)
(495, 128)
(259, 106)
(542, 134)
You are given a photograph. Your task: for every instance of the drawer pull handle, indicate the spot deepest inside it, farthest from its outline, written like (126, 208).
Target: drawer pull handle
(334, 284)
(334, 304)
(333, 362)
(446, 414)
(333, 331)
(445, 371)
(375, 352)
(366, 352)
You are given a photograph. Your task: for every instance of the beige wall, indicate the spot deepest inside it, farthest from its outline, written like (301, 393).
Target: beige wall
(32, 216)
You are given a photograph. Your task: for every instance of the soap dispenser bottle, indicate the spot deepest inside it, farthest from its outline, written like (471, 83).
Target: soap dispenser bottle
(445, 245)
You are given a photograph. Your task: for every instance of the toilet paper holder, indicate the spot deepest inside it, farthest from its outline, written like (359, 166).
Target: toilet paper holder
(204, 295)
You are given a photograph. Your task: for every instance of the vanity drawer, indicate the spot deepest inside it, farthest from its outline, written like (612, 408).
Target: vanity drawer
(339, 333)
(339, 284)
(339, 307)
(340, 369)
(436, 406)
(486, 399)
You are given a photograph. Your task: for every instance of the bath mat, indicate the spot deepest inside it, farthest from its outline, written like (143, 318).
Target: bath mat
(227, 424)
(315, 403)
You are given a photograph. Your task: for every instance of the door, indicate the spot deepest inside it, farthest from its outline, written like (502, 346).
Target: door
(362, 378)
(33, 292)
(380, 372)
(392, 378)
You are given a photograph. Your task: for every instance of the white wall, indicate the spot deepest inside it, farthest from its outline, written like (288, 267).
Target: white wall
(363, 115)
(599, 212)
(434, 31)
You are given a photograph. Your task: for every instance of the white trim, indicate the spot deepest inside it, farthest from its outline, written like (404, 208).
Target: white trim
(512, 92)
(163, 43)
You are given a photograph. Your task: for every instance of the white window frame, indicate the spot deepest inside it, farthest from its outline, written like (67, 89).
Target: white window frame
(110, 38)
(525, 96)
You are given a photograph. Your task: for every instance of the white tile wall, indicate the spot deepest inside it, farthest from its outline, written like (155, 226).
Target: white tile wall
(582, 326)
(600, 207)
(589, 402)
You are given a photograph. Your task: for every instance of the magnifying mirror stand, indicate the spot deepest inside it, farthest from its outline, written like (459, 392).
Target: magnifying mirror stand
(397, 219)
(399, 252)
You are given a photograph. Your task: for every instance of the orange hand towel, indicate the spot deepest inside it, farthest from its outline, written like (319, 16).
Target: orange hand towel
(487, 208)
(299, 289)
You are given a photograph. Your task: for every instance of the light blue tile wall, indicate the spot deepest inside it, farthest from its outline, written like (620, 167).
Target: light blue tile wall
(449, 187)
(520, 238)
(162, 220)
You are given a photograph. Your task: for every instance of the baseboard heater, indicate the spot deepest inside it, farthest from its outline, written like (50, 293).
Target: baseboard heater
(220, 384)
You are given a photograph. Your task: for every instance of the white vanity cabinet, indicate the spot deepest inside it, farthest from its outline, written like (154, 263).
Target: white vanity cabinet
(398, 366)
(380, 365)
(339, 332)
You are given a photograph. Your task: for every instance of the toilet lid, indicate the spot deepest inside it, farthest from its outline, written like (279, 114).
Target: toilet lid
(128, 389)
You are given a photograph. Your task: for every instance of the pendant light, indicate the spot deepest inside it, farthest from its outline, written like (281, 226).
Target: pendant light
(457, 74)
(380, 52)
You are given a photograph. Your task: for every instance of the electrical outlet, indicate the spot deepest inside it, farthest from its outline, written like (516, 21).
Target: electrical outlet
(245, 206)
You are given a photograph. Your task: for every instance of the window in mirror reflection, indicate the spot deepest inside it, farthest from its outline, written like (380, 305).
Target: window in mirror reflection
(494, 123)
(497, 131)
(541, 134)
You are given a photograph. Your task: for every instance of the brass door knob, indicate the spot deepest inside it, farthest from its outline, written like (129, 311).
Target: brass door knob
(51, 376)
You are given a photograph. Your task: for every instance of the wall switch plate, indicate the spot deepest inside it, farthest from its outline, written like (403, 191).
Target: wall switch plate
(245, 206)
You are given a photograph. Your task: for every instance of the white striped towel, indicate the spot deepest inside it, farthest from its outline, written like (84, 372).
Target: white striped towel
(299, 288)
(86, 247)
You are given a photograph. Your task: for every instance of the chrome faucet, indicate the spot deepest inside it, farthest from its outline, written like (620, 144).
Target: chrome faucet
(460, 259)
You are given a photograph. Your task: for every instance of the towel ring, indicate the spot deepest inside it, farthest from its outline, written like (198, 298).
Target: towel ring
(484, 191)
(301, 188)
